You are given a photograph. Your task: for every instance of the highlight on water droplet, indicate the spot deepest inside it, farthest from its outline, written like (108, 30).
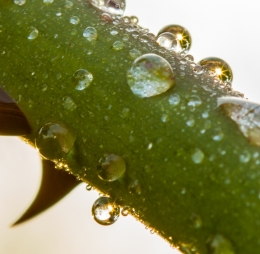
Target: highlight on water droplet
(74, 20)
(105, 211)
(20, 2)
(69, 104)
(89, 187)
(54, 141)
(181, 34)
(197, 156)
(150, 75)
(218, 244)
(82, 79)
(90, 33)
(126, 210)
(111, 167)
(115, 7)
(33, 33)
(168, 41)
(218, 68)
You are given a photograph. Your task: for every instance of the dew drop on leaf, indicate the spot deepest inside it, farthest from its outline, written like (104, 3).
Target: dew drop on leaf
(181, 34)
(168, 41)
(111, 167)
(217, 67)
(69, 104)
(125, 211)
(54, 141)
(20, 2)
(33, 33)
(150, 75)
(82, 79)
(90, 33)
(74, 20)
(105, 211)
(197, 156)
(118, 45)
(115, 7)
(220, 245)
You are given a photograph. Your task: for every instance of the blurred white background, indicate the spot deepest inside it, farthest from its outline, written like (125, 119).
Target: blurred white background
(225, 29)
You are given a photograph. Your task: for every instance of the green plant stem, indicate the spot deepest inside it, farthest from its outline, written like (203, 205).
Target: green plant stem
(175, 193)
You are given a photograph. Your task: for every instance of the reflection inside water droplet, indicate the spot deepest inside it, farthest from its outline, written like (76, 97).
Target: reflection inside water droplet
(54, 141)
(82, 79)
(150, 75)
(116, 7)
(111, 168)
(105, 211)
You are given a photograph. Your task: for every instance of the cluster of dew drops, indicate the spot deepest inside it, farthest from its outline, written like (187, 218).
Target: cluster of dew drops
(174, 38)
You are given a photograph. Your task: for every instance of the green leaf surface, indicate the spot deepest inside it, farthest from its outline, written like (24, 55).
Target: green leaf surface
(190, 175)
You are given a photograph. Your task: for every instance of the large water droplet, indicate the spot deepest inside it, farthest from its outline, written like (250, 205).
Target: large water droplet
(33, 33)
(218, 68)
(111, 167)
(105, 211)
(220, 245)
(82, 79)
(54, 141)
(181, 34)
(167, 40)
(20, 2)
(197, 156)
(90, 33)
(115, 7)
(150, 75)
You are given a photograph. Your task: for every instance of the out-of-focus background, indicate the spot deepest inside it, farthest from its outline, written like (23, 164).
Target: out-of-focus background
(225, 29)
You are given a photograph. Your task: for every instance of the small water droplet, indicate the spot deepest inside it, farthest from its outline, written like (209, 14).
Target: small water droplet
(174, 99)
(190, 121)
(220, 245)
(218, 68)
(20, 2)
(105, 211)
(218, 135)
(189, 58)
(113, 32)
(58, 14)
(198, 69)
(125, 211)
(150, 75)
(48, 1)
(33, 33)
(194, 101)
(165, 118)
(167, 40)
(195, 221)
(116, 7)
(88, 187)
(135, 187)
(197, 156)
(245, 157)
(182, 36)
(68, 4)
(134, 53)
(69, 104)
(90, 33)
(74, 20)
(205, 114)
(111, 168)
(134, 20)
(118, 45)
(54, 141)
(82, 79)
(150, 146)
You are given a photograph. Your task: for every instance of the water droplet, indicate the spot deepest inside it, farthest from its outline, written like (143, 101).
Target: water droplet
(74, 20)
(88, 187)
(218, 135)
(197, 156)
(195, 221)
(105, 211)
(190, 121)
(20, 2)
(220, 245)
(111, 167)
(48, 1)
(134, 53)
(116, 7)
(194, 101)
(167, 40)
(58, 14)
(125, 211)
(113, 32)
(205, 114)
(118, 45)
(69, 104)
(90, 33)
(150, 146)
(82, 79)
(181, 34)
(54, 141)
(189, 58)
(218, 68)
(150, 75)
(165, 118)
(135, 187)
(245, 157)
(174, 99)
(198, 69)
(33, 33)
(134, 20)
(68, 4)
